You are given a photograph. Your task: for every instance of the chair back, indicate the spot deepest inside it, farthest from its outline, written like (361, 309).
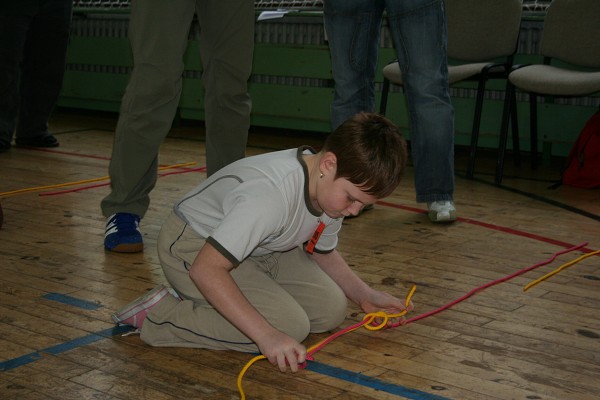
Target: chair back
(572, 32)
(483, 30)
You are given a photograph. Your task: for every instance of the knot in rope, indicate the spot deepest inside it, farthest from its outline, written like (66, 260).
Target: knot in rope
(370, 318)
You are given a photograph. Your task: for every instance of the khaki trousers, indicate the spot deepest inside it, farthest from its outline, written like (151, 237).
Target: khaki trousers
(158, 33)
(289, 289)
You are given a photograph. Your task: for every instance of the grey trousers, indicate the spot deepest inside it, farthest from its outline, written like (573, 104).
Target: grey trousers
(158, 32)
(289, 289)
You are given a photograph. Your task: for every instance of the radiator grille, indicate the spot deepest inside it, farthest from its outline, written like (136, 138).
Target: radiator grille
(528, 5)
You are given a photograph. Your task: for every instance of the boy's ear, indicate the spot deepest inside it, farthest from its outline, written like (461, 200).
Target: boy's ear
(328, 163)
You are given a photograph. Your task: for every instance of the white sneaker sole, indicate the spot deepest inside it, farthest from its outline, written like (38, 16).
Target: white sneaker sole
(144, 302)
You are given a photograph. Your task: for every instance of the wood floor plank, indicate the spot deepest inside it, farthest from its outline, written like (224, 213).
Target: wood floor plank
(501, 343)
(56, 388)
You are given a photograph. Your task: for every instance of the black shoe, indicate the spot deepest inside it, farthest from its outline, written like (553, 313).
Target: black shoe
(45, 140)
(4, 146)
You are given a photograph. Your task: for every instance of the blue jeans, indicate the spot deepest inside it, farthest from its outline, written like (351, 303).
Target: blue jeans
(418, 29)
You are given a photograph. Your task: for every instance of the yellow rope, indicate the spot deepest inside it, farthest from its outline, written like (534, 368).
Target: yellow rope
(370, 317)
(556, 271)
(243, 371)
(32, 189)
(386, 317)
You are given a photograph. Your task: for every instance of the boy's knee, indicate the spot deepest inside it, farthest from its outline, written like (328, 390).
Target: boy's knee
(297, 328)
(332, 311)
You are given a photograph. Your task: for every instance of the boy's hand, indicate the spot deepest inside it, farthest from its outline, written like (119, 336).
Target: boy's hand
(281, 350)
(382, 301)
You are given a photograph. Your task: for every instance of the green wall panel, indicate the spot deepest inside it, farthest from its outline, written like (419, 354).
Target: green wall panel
(291, 88)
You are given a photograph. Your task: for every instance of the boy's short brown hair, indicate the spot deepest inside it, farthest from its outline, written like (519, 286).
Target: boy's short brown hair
(370, 151)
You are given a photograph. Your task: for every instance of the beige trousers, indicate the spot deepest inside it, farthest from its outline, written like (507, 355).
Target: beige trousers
(289, 289)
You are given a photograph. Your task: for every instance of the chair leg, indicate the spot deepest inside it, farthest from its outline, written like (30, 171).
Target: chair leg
(514, 122)
(533, 128)
(476, 126)
(384, 96)
(508, 99)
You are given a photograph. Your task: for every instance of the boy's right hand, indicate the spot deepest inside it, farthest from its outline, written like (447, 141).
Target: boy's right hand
(281, 350)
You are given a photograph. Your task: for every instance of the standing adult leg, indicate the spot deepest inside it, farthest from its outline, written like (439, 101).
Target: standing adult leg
(43, 69)
(158, 32)
(353, 30)
(226, 50)
(419, 32)
(14, 24)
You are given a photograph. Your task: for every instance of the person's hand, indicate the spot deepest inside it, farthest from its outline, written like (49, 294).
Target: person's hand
(385, 302)
(281, 350)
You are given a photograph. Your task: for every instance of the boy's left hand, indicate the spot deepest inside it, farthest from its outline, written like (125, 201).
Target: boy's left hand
(382, 301)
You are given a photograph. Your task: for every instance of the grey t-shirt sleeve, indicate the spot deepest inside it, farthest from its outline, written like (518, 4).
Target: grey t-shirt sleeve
(252, 214)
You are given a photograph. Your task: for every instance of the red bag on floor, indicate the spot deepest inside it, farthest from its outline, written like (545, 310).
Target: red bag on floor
(583, 163)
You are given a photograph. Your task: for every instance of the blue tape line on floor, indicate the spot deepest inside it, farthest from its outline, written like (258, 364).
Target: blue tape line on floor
(63, 347)
(323, 369)
(313, 366)
(72, 301)
(370, 382)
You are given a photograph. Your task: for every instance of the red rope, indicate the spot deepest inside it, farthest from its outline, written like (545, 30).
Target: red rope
(444, 307)
(317, 347)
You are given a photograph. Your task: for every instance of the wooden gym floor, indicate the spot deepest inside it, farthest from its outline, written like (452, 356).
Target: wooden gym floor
(58, 287)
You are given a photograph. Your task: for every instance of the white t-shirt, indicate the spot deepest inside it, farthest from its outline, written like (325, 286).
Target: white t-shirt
(258, 205)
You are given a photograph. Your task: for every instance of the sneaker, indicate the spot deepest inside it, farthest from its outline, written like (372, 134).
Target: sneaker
(135, 312)
(442, 211)
(123, 234)
(4, 145)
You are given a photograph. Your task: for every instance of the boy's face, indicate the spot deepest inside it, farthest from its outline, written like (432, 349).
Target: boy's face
(341, 198)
